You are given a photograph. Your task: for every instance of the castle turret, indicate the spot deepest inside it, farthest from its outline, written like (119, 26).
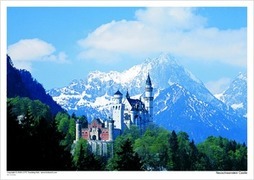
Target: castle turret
(118, 96)
(127, 94)
(149, 98)
(118, 111)
(78, 130)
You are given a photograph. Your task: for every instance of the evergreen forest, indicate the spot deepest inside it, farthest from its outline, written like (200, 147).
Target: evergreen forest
(38, 139)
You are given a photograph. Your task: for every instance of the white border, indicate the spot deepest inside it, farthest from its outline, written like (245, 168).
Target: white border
(126, 175)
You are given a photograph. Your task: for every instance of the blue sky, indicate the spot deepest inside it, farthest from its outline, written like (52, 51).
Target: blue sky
(58, 45)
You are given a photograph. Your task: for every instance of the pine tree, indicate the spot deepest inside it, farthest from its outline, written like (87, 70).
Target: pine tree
(173, 152)
(125, 159)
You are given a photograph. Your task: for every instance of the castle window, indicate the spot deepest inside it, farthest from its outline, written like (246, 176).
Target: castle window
(93, 137)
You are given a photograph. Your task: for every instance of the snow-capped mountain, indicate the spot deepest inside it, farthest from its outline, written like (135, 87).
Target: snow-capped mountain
(181, 101)
(236, 94)
(178, 109)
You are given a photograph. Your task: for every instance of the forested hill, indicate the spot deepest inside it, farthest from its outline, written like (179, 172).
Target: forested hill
(21, 83)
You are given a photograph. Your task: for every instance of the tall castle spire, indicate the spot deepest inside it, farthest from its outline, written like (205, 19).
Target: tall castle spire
(149, 98)
(148, 80)
(127, 94)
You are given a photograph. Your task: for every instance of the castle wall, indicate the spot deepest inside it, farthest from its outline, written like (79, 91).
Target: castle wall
(95, 131)
(102, 148)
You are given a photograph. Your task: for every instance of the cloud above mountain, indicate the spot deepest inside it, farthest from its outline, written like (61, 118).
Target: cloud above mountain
(26, 51)
(180, 31)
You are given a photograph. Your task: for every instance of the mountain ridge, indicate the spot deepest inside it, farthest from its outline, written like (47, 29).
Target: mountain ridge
(21, 83)
(92, 97)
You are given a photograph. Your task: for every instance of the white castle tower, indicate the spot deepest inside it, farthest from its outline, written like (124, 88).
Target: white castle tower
(78, 130)
(118, 111)
(149, 98)
(111, 130)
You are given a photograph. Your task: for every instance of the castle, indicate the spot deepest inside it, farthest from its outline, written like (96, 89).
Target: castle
(125, 112)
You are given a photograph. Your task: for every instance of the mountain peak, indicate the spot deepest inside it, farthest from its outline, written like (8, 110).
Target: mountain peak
(167, 57)
(163, 58)
(173, 72)
(236, 94)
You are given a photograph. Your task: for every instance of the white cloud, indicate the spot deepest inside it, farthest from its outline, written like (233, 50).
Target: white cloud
(61, 58)
(23, 65)
(218, 86)
(179, 31)
(171, 18)
(26, 51)
(30, 49)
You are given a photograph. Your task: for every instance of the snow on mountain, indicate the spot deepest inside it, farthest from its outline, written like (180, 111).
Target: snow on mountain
(164, 71)
(236, 94)
(181, 101)
(178, 109)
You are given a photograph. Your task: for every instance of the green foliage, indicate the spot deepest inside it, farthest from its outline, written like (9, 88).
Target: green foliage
(160, 149)
(32, 139)
(132, 134)
(124, 159)
(152, 147)
(29, 113)
(84, 159)
(185, 158)
(36, 109)
(62, 122)
(81, 155)
(66, 123)
(173, 163)
(128, 135)
(222, 154)
(193, 156)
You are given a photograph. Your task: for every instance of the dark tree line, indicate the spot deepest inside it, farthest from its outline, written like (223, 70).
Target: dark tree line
(32, 139)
